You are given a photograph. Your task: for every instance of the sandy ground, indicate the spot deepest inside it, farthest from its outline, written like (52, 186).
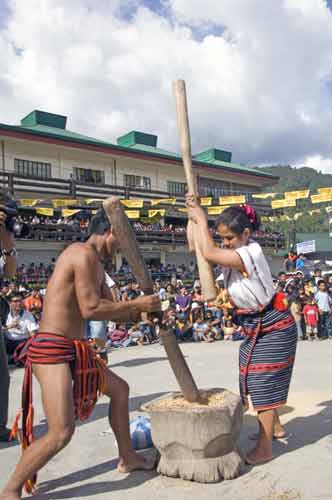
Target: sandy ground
(301, 469)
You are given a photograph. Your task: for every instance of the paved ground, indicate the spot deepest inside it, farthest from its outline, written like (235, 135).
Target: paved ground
(301, 469)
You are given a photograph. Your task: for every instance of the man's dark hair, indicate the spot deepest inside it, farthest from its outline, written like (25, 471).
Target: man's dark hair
(99, 223)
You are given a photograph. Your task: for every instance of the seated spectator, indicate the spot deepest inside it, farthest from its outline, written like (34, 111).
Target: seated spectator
(229, 330)
(202, 332)
(214, 325)
(20, 325)
(183, 303)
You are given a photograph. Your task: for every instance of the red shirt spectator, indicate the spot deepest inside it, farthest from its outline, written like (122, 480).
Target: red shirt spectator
(311, 315)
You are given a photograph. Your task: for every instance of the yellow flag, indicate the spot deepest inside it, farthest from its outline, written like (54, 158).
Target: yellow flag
(24, 202)
(283, 203)
(296, 195)
(166, 201)
(67, 212)
(132, 203)
(45, 211)
(216, 210)
(321, 198)
(232, 200)
(184, 210)
(132, 214)
(153, 213)
(206, 202)
(63, 203)
(327, 190)
(263, 196)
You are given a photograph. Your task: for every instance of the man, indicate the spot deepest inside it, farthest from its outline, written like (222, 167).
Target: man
(34, 301)
(9, 265)
(76, 292)
(20, 325)
(324, 305)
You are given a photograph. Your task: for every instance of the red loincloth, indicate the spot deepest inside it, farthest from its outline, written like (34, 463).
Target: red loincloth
(89, 377)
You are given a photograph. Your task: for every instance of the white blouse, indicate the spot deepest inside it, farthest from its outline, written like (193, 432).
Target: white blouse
(255, 288)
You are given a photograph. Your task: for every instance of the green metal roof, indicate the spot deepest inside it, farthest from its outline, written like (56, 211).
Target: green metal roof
(38, 123)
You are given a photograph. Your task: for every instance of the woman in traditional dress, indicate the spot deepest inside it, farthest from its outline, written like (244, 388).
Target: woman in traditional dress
(267, 354)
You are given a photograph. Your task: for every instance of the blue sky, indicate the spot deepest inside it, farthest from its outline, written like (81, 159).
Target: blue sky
(263, 92)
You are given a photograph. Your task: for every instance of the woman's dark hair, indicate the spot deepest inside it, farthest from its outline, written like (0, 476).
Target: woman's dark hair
(99, 223)
(237, 220)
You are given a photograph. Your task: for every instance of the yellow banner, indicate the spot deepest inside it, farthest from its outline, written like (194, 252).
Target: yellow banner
(283, 203)
(216, 210)
(92, 200)
(45, 211)
(132, 203)
(94, 212)
(67, 212)
(63, 203)
(132, 214)
(24, 202)
(296, 195)
(206, 202)
(327, 190)
(321, 198)
(263, 196)
(184, 210)
(232, 200)
(153, 213)
(168, 201)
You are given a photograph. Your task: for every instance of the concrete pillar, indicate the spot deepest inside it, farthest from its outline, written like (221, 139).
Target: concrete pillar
(162, 257)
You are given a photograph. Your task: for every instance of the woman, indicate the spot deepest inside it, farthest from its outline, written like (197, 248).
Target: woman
(267, 354)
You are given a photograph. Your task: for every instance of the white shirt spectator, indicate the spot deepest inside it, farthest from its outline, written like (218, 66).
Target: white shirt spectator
(255, 288)
(323, 301)
(25, 325)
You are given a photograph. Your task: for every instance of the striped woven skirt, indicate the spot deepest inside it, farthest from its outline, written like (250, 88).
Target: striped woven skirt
(267, 357)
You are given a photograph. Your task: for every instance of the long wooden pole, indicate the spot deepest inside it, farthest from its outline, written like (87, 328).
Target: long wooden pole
(130, 249)
(205, 271)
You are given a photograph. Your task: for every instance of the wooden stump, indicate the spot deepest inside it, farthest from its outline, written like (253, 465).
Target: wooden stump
(197, 442)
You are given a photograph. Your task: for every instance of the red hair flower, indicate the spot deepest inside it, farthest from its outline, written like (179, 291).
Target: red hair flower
(250, 212)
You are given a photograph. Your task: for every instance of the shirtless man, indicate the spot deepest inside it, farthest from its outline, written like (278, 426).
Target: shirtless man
(77, 292)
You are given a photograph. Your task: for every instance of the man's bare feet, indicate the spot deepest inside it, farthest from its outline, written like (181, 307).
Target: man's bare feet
(137, 462)
(9, 496)
(258, 455)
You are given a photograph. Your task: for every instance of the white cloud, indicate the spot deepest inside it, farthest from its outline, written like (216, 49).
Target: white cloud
(260, 88)
(319, 163)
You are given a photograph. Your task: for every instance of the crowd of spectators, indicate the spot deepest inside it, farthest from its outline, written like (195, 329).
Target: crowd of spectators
(191, 319)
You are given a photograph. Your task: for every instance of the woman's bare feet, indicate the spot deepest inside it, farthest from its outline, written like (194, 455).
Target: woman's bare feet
(137, 462)
(259, 455)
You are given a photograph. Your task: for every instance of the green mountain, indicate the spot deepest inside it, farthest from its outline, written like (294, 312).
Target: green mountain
(292, 179)
(296, 178)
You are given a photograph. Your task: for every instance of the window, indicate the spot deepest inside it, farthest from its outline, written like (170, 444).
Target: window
(89, 176)
(136, 181)
(32, 168)
(176, 187)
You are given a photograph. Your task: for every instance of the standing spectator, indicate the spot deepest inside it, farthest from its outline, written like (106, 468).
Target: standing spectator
(296, 311)
(280, 299)
(290, 262)
(34, 301)
(324, 305)
(317, 275)
(7, 268)
(311, 318)
(300, 263)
